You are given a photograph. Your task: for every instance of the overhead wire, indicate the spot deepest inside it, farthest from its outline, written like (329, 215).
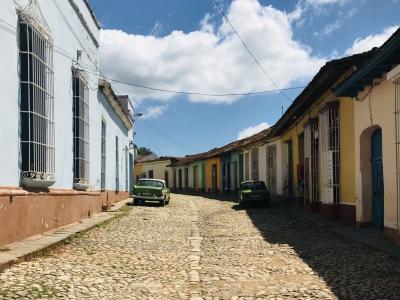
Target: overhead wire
(193, 92)
(94, 70)
(221, 11)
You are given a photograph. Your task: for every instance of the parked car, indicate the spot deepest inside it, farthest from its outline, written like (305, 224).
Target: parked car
(253, 192)
(151, 190)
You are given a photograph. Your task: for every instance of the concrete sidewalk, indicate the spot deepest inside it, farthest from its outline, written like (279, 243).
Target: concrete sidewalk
(367, 236)
(35, 245)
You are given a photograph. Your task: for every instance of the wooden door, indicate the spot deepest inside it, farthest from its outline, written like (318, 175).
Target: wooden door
(377, 180)
(271, 169)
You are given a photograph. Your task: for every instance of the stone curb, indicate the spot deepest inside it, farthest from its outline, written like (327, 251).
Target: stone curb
(40, 244)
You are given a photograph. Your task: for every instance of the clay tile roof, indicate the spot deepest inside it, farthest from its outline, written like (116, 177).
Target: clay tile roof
(154, 158)
(323, 81)
(236, 145)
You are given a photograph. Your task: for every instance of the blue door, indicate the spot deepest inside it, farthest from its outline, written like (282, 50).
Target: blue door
(377, 179)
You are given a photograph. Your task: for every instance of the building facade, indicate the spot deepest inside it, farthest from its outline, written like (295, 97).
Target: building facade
(317, 142)
(375, 92)
(151, 166)
(56, 120)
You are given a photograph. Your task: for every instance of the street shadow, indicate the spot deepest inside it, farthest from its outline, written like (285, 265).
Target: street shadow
(351, 270)
(256, 205)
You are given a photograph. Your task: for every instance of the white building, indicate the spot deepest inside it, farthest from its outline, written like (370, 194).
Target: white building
(65, 136)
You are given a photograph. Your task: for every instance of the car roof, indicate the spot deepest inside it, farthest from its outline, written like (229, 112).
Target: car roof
(250, 181)
(152, 179)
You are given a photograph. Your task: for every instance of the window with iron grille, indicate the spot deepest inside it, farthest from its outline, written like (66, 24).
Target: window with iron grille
(311, 168)
(271, 168)
(36, 104)
(103, 154)
(330, 150)
(80, 108)
(126, 170)
(116, 163)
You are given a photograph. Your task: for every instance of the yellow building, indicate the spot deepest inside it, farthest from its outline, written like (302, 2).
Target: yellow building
(317, 142)
(151, 166)
(213, 175)
(375, 89)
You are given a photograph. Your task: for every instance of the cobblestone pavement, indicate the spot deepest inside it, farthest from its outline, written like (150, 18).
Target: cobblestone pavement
(199, 248)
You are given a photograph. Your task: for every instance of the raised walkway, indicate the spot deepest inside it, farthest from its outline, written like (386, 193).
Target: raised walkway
(35, 245)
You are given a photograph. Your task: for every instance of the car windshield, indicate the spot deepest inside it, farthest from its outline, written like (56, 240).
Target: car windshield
(154, 183)
(254, 185)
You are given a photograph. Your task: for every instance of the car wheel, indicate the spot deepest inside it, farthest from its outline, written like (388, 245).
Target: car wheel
(162, 202)
(167, 202)
(135, 202)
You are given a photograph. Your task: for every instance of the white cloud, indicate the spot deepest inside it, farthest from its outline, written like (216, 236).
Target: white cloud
(328, 29)
(211, 59)
(324, 2)
(153, 112)
(246, 132)
(370, 41)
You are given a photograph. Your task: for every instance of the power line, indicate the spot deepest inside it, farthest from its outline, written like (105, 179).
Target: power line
(88, 69)
(220, 9)
(190, 92)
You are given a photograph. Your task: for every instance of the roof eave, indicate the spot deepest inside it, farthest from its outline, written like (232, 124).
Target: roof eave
(351, 87)
(115, 104)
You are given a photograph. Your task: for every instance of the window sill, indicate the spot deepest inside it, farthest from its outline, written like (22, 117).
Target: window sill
(36, 183)
(81, 186)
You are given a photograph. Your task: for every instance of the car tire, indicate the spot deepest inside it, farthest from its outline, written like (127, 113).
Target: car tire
(162, 202)
(167, 202)
(135, 202)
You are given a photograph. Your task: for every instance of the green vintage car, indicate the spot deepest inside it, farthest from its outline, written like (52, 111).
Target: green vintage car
(253, 192)
(151, 190)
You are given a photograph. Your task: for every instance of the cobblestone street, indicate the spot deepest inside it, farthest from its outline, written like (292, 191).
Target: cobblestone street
(203, 248)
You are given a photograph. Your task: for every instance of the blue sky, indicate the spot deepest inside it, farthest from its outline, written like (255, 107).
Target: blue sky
(186, 45)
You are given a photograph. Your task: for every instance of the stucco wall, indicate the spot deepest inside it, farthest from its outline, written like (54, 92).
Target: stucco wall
(347, 175)
(182, 168)
(347, 152)
(114, 127)
(69, 35)
(209, 164)
(262, 163)
(23, 216)
(158, 168)
(200, 174)
(377, 110)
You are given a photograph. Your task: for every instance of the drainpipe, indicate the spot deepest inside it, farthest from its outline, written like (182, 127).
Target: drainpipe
(397, 144)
